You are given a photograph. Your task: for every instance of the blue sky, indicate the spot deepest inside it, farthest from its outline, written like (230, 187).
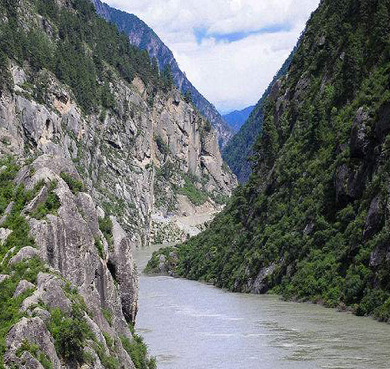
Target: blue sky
(229, 49)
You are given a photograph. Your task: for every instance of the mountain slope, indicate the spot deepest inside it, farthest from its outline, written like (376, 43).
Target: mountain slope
(313, 221)
(93, 142)
(142, 36)
(239, 149)
(237, 118)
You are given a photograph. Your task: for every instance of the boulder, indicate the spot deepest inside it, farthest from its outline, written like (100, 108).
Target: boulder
(24, 254)
(35, 332)
(3, 277)
(4, 233)
(22, 287)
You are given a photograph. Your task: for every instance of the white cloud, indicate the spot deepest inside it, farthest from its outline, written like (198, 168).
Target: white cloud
(232, 75)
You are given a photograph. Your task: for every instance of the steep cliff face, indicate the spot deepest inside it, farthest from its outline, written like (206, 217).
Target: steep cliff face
(92, 144)
(313, 220)
(141, 35)
(134, 161)
(75, 288)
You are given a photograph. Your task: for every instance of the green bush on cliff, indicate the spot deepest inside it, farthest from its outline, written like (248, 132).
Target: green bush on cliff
(138, 352)
(195, 195)
(74, 185)
(105, 225)
(10, 306)
(51, 204)
(70, 333)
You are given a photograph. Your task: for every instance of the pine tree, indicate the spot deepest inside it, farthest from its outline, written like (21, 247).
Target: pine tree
(167, 78)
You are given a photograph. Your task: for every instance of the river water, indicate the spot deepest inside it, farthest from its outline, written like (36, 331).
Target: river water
(191, 325)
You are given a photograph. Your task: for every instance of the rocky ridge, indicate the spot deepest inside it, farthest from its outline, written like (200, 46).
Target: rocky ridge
(141, 35)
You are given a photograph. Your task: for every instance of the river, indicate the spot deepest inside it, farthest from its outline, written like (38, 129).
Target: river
(192, 325)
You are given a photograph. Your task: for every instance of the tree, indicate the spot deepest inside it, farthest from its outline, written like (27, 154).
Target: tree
(167, 78)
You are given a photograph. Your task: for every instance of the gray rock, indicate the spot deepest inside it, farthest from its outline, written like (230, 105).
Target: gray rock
(359, 143)
(3, 277)
(4, 233)
(124, 271)
(260, 285)
(374, 219)
(41, 313)
(34, 331)
(6, 212)
(25, 253)
(22, 287)
(27, 361)
(50, 292)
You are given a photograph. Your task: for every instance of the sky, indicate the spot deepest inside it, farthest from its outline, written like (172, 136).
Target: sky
(229, 49)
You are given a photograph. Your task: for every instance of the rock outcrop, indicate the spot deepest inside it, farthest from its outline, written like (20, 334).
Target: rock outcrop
(141, 35)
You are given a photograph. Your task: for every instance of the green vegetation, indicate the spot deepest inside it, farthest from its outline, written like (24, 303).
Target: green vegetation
(87, 49)
(75, 185)
(35, 352)
(105, 225)
(15, 221)
(195, 195)
(10, 306)
(154, 262)
(50, 206)
(99, 247)
(138, 352)
(70, 333)
(107, 315)
(315, 206)
(162, 146)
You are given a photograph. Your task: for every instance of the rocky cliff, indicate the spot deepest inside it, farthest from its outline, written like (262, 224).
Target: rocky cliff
(92, 144)
(141, 35)
(312, 223)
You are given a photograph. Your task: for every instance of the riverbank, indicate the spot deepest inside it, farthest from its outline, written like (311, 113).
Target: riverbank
(192, 325)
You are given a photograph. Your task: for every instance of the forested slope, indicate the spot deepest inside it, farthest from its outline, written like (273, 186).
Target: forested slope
(312, 223)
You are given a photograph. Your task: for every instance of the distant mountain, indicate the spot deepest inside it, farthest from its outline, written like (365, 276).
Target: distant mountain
(142, 36)
(237, 118)
(237, 152)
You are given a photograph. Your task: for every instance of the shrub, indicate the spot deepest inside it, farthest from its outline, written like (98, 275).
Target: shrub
(50, 206)
(99, 247)
(70, 333)
(74, 185)
(9, 306)
(107, 315)
(105, 225)
(34, 350)
(138, 352)
(196, 196)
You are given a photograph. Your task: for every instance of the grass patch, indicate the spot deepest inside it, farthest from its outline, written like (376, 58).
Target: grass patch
(70, 333)
(99, 247)
(107, 315)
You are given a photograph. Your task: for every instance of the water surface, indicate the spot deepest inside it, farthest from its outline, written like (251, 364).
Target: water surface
(191, 325)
